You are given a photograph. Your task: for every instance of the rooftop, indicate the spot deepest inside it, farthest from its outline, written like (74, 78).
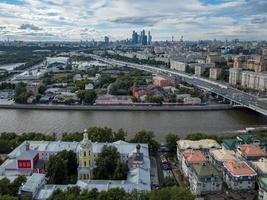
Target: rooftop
(239, 168)
(223, 154)
(33, 183)
(200, 144)
(261, 165)
(252, 150)
(205, 170)
(194, 156)
(230, 144)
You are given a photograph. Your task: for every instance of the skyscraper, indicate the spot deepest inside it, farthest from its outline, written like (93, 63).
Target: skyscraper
(143, 37)
(106, 38)
(134, 37)
(149, 38)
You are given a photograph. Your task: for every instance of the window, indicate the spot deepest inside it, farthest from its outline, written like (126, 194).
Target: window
(84, 153)
(85, 163)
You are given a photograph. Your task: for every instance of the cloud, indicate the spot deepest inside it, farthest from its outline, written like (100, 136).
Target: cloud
(195, 19)
(259, 20)
(30, 27)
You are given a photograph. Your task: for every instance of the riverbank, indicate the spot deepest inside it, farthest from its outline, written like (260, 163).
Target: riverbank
(118, 107)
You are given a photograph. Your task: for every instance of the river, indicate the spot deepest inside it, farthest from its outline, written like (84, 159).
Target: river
(161, 122)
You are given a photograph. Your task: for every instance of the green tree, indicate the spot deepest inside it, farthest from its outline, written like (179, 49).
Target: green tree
(8, 197)
(120, 135)
(62, 167)
(171, 140)
(15, 185)
(109, 166)
(168, 182)
(172, 193)
(90, 96)
(146, 137)
(42, 89)
(113, 194)
(21, 94)
(96, 134)
(4, 186)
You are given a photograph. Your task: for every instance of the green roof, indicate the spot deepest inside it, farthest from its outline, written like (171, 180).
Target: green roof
(263, 181)
(230, 144)
(248, 138)
(205, 170)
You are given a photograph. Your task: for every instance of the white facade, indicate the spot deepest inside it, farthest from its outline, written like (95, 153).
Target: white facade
(179, 66)
(235, 76)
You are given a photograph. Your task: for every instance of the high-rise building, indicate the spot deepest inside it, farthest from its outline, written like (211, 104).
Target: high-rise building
(143, 37)
(106, 39)
(135, 37)
(149, 38)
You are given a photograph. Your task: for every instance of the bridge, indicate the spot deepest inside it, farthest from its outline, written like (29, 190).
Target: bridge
(236, 97)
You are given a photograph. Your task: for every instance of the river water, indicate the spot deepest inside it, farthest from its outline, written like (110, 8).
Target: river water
(161, 122)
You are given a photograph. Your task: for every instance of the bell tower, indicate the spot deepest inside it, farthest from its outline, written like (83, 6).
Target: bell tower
(85, 170)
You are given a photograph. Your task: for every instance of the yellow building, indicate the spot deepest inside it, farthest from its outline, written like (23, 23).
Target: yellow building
(86, 159)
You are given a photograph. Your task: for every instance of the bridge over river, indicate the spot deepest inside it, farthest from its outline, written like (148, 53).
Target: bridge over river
(236, 97)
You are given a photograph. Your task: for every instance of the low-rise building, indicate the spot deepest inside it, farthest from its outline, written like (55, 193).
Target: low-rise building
(203, 145)
(251, 139)
(162, 82)
(260, 166)
(191, 157)
(230, 144)
(204, 178)
(262, 188)
(238, 175)
(250, 152)
(219, 156)
(192, 100)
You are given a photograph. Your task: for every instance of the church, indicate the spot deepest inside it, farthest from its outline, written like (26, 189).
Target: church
(27, 160)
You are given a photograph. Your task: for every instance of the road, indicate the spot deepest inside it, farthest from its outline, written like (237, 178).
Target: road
(224, 90)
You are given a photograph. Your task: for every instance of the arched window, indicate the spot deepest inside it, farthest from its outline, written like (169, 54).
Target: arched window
(84, 153)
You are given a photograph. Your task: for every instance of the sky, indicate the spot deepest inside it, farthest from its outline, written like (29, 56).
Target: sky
(74, 20)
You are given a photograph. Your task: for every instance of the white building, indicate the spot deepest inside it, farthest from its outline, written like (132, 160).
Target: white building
(238, 175)
(219, 156)
(179, 66)
(215, 73)
(235, 76)
(204, 179)
(136, 155)
(204, 145)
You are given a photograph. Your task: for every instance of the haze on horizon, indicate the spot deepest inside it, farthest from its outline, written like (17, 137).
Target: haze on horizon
(48, 20)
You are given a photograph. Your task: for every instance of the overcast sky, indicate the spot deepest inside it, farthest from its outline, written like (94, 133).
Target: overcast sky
(93, 19)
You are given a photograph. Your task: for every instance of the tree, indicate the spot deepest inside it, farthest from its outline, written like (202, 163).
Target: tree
(89, 96)
(148, 138)
(171, 140)
(4, 186)
(120, 135)
(42, 89)
(21, 94)
(172, 193)
(15, 185)
(109, 166)
(168, 182)
(96, 134)
(113, 194)
(62, 167)
(7, 197)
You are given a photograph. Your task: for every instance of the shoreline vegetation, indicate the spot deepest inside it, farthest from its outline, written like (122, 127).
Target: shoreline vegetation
(9, 141)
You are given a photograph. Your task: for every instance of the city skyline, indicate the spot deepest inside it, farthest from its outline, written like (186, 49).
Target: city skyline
(65, 20)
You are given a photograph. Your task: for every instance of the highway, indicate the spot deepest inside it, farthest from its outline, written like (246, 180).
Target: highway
(224, 90)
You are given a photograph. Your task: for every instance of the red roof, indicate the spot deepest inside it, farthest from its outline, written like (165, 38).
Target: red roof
(194, 156)
(239, 168)
(251, 150)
